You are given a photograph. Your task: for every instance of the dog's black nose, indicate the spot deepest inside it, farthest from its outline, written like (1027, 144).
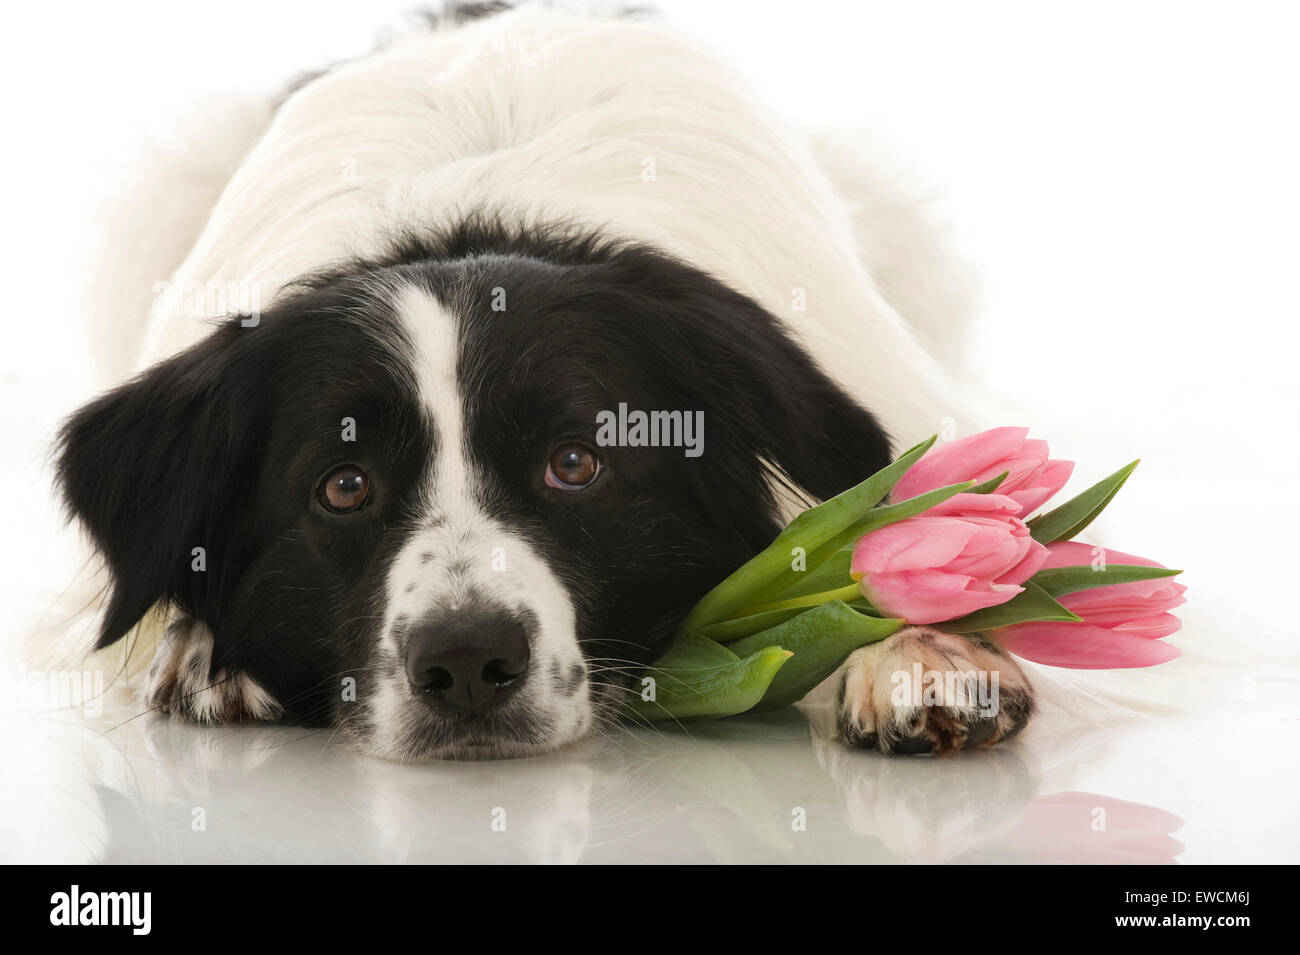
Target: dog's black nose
(467, 663)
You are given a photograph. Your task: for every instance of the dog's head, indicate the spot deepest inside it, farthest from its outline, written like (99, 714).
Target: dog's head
(453, 501)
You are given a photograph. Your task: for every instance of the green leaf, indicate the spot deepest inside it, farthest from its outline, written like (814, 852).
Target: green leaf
(692, 651)
(766, 573)
(724, 631)
(821, 638)
(1059, 581)
(1068, 520)
(827, 575)
(686, 689)
(1033, 603)
(991, 485)
(727, 631)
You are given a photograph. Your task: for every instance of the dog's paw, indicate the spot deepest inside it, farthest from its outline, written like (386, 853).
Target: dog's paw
(181, 681)
(924, 691)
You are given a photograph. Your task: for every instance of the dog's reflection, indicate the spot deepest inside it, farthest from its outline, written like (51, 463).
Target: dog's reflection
(1008, 804)
(755, 789)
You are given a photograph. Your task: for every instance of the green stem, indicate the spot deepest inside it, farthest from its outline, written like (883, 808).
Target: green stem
(847, 594)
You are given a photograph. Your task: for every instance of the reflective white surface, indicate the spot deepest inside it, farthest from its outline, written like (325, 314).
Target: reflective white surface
(153, 790)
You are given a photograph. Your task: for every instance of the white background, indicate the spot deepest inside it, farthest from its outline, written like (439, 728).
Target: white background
(1122, 175)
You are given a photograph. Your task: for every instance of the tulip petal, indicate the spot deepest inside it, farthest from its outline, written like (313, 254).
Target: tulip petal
(1150, 628)
(912, 544)
(963, 457)
(930, 596)
(1081, 646)
(1045, 485)
(1030, 564)
(1111, 609)
(994, 505)
(1077, 554)
(989, 555)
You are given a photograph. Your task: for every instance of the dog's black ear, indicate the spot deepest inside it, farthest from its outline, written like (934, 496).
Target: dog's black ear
(764, 391)
(148, 469)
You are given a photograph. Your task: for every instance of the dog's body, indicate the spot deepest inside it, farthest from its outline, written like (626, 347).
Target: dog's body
(374, 497)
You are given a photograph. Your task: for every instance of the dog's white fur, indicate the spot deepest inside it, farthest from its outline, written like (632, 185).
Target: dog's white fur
(550, 116)
(541, 116)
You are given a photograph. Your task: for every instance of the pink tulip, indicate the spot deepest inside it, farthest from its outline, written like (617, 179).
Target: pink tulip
(963, 555)
(1122, 623)
(1032, 477)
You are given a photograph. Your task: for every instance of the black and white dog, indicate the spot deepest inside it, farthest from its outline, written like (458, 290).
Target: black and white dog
(376, 495)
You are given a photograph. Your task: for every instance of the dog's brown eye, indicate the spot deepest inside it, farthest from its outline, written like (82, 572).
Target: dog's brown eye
(572, 466)
(345, 489)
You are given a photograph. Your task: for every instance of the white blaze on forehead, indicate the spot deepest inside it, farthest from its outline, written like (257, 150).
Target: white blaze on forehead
(435, 337)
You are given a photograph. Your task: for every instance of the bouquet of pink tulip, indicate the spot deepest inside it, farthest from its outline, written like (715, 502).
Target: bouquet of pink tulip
(955, 546)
